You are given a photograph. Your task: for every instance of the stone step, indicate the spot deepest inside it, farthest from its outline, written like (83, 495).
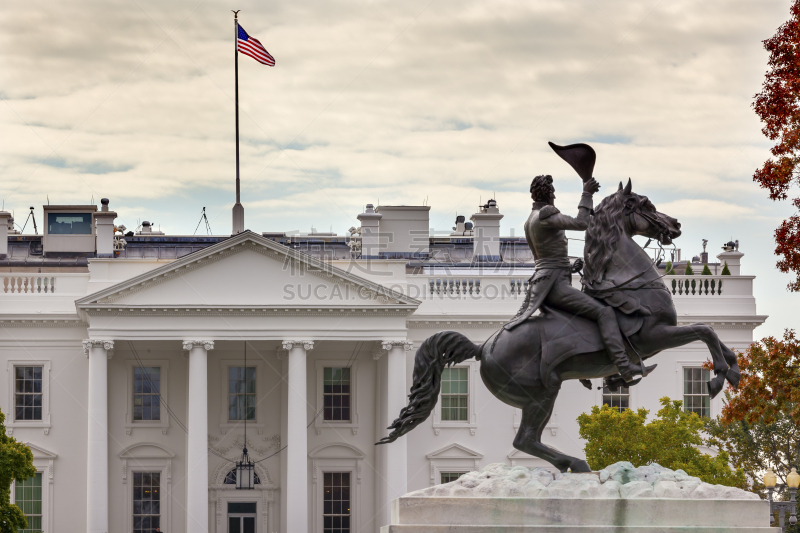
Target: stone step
(543, 515)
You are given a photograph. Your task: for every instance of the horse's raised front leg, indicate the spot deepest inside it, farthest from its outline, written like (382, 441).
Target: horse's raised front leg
(664, 337)
(535, 415)
(733, 374)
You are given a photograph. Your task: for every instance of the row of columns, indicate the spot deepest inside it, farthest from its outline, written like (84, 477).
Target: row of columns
(392, 465)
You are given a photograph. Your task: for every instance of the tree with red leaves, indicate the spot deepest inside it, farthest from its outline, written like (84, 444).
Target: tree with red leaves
(760, 423)
(778, 107)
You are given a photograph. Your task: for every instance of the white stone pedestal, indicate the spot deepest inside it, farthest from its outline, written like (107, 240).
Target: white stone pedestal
(529, 515)
(618, 499)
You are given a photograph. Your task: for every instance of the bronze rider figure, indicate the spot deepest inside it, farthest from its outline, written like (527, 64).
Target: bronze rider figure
(551, 283)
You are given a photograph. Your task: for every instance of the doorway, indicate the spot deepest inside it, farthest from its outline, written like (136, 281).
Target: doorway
(241, 517)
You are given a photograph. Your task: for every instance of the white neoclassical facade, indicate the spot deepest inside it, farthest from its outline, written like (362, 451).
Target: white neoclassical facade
(126, 374)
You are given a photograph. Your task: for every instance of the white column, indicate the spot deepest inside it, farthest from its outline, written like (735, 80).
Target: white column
(98, 352)
(297, 438)
(395, 466)
(283, 357)
(197, 439)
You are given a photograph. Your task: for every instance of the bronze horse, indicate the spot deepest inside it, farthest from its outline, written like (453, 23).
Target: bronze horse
(525, 367)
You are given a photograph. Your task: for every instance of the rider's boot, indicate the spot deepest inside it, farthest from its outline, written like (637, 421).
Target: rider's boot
(612, 338)
(633, 370)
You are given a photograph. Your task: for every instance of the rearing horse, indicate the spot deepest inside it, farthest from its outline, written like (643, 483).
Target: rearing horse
(525, 367)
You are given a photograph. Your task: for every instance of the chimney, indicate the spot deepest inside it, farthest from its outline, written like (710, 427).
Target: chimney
(370, 232)
(405, 231)
(104, 224)
(733, 257)
(5, 217)
(486, 243)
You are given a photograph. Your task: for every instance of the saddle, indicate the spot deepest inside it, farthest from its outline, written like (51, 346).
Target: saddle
(563, 336)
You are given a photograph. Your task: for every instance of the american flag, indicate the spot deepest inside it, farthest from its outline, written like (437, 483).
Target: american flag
(252, 47)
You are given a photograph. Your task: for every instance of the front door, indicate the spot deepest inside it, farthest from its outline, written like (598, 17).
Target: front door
(241, 517)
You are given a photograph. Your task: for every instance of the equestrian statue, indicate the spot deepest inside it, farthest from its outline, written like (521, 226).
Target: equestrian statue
(622, 315)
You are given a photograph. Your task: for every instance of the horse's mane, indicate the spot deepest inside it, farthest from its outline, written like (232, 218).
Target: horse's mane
(603, 234)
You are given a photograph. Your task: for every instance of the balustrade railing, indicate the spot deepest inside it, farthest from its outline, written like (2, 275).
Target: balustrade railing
(454, 286)
(492, 287)
(29, 284)
(482, 288)
(694, 285)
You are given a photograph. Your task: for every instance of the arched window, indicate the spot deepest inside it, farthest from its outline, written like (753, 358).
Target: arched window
(230, 479)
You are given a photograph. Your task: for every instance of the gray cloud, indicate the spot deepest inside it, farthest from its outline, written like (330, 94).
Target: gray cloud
(451, 101)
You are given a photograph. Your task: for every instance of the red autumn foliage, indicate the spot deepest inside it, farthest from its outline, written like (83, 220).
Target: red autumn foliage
(778, 107)
(770, 386)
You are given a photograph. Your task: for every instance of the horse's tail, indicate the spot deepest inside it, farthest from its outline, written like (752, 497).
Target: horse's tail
(435, 353)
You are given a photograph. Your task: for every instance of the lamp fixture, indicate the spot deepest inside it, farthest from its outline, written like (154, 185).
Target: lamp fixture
(770, 479)
(793, 479)
(245, 467)
(782, 507)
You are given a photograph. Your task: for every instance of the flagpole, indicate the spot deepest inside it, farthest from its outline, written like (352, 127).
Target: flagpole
(238, 209)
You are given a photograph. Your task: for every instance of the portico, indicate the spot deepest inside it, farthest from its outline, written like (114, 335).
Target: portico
(195, 314)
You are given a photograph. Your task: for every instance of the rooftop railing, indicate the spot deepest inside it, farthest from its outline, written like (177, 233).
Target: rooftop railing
(426, 287)
(44, 284)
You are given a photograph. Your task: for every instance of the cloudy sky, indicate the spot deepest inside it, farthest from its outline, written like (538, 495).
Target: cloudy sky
(444, 101)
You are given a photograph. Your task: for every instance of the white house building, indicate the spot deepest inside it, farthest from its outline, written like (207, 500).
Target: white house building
(126, 375)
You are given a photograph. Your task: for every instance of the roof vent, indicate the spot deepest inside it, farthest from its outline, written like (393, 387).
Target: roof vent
(462, 228)
(147, 229)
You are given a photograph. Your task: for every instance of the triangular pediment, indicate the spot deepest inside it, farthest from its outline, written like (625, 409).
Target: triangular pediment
(455, 451)
(39, 452)
(247, 271)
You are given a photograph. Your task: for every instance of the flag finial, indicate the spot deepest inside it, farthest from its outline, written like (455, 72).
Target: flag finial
(236, 13)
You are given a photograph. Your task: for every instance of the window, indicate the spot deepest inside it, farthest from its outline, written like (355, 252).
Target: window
(28, 392)
(230, 479)
(695, 395)
(336, 502)
(146, 501)
(28, 497)
(619, 399)
(447, 477)
(146, 393)
(336, 398)
(455, 393)
(69, 223)
(336, 394)
(241, 393)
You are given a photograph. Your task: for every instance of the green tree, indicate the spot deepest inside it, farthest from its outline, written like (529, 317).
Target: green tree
(689, 270)
(760, 422)
(668, 270)
(16, 464)
(670, 439)
(706, 271)
(725, 270)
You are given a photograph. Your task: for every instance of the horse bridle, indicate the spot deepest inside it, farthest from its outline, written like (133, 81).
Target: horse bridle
(663, 229)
